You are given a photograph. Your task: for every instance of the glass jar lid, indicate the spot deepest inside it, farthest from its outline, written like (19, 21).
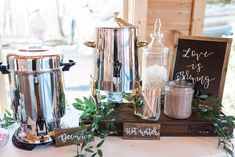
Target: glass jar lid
(180, 82)
(156, 45)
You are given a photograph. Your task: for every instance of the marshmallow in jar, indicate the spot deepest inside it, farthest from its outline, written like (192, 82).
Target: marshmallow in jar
(178, 99)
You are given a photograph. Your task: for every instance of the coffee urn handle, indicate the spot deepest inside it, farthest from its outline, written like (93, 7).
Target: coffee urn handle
(67, 66)
(3, 69)
(119, 21)
(91, 44)
(142, 44)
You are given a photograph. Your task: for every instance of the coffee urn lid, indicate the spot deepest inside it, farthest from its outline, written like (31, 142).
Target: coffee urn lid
(118, 25)
(34, 59)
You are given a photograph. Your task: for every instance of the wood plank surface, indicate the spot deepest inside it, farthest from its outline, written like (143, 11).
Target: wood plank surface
(192, 126)
(183, 16)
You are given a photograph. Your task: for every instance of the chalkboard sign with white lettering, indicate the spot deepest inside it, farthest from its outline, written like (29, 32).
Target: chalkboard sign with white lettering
(66, 136)
(203, 61)
(144, 131)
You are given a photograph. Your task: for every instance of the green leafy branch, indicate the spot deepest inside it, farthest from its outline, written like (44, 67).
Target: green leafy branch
(219, 121)
(129, 97)
(7, 120)
(95, 114)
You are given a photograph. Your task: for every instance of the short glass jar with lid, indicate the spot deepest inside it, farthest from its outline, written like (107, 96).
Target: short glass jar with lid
(178, 98)
(154, 73)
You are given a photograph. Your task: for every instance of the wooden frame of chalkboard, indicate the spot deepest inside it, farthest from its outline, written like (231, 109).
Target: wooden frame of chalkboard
(202, 61)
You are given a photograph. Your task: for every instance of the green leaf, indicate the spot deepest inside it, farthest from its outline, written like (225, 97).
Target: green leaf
(218, 122)
(104, 134)
(95, 113)
(110, 112)
(88, 102)
(8, 113)
(203, 96)
(90, 136)
(100, 153)
(78, 107)
(7, 119)
(139, 102)
(107, 125)
(83, 126)
(103, 96)
(79, 101)
(100, 143)
(98, 117)
(214, 101)
(85, 116)
(113, 127)
(83, 145)
(93, 155)
(78, 133)
(89, 150)
(127, 96)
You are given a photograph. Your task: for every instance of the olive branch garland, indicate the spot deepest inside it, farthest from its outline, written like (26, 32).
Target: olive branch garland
(104, 112)
(95, 114)
(219, 121)
(98, 113)
(7, 120)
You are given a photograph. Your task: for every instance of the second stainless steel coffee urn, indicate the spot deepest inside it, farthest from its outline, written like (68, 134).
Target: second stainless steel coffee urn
(116, 67)
(37, 92)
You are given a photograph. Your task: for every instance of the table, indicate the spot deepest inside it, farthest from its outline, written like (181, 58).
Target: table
(118, 147)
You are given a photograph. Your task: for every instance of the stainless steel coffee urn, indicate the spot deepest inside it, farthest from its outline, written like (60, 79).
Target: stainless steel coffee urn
(37, 93)
(116, 67)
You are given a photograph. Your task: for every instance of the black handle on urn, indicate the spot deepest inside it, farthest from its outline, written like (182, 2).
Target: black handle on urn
(3, 69)
(67, 66)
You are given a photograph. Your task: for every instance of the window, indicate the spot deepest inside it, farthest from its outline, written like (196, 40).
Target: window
(219, 21)
(65, 25)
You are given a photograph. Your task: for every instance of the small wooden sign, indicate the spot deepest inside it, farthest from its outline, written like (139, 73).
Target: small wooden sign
(66, 136)
(144, 131)
(202, 61)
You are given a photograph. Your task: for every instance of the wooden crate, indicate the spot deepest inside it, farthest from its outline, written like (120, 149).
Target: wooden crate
(192, 126)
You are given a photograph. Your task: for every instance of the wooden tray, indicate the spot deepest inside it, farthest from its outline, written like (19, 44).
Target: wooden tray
(193, 126)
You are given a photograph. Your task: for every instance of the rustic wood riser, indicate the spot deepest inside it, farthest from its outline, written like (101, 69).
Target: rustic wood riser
(192, 126)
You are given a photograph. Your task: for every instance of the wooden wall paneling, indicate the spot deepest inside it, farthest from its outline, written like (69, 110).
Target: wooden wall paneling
(137, 15)
(125, 9)
(197, 18)
(178, 17)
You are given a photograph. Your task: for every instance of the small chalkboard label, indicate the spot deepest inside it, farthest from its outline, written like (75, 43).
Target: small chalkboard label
(202, 61)
(66, 136)
(144, 131)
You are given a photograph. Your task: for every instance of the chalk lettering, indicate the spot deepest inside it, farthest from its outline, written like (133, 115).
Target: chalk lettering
(203, 80)
(195, 66)
(64, 137)
(149, 131)
(192, 53)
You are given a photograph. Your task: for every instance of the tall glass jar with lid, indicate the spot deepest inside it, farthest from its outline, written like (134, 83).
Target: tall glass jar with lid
(154, 73)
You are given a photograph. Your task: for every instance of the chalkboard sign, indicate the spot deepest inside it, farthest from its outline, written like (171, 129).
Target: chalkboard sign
(146, 131)
(203, 61)
(66, 136)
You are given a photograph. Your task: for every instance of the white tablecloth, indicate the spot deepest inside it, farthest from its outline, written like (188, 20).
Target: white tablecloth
(118, 147)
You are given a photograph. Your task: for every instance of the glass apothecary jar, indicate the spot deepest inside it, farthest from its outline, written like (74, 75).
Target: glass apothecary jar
(154, 73)
(178, 99)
